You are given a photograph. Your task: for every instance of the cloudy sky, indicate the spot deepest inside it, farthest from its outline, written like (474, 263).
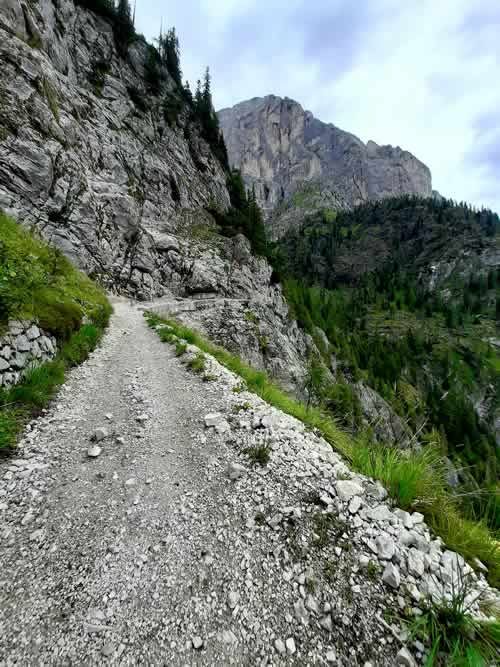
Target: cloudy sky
(421, 74)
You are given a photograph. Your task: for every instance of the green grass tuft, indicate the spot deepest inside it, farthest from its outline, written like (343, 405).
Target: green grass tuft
(454, 637)
(198, 363)
(259, 455)
(180, 349)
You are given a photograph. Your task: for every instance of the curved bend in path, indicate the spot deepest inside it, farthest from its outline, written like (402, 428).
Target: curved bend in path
(146, 554)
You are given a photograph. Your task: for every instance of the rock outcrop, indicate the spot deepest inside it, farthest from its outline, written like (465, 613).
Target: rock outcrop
(86, 153)
(282, 150)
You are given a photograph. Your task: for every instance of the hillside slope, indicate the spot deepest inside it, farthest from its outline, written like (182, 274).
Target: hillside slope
(407, 292)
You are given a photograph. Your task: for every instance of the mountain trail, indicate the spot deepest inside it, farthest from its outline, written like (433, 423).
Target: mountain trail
(170, 547)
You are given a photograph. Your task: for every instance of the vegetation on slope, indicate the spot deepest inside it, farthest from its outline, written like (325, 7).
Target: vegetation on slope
(38, 283)
(407, 233)
(429, 373)
(421, 337)
(415, 479)
(162, 59)
(244, 216)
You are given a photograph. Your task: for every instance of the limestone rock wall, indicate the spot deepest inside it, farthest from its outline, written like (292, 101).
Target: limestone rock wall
(86, 154)
(24, 345)
(279, 148)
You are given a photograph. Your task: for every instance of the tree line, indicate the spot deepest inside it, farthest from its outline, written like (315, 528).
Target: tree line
(164, 56)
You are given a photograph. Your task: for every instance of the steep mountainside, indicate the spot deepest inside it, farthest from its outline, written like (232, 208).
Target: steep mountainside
(87, 154)
(283, 150)
(407, 291)
(92, 156)
(435, 240)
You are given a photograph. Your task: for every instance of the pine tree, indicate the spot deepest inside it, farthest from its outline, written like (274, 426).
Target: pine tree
(152, 73)
(255, 231)
(123, 27)
(188, 94)
(236, 190)
(198, 98)
(172, 56)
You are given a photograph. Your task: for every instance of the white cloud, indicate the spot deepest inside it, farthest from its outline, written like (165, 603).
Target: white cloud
(420, 74)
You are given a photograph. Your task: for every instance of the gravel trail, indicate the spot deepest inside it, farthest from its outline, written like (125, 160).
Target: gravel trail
(174, 547)
(99, 557)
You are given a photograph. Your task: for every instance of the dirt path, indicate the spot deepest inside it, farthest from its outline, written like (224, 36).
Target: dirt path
(100, 556)
(156, 553)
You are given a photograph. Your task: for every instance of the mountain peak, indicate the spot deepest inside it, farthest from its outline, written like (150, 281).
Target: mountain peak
(279, 146)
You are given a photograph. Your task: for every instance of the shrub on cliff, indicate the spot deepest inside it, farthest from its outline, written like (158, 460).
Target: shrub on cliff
(38, 283)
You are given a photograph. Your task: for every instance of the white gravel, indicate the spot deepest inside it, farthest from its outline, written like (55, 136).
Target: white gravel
(170, 547)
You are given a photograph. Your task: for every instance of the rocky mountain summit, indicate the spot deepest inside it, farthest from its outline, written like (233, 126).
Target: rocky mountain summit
(281, 149)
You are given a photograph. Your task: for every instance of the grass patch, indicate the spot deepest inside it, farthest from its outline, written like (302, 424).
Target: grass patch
(38, 283)
(373, 570)
(166, 336)
(180, 349)
(327, 527)
(416, 480)
(241, 407)
(197, 365)
(50, 95)
(259, 455)
(22, 402)
(453, 636)
(406, 477)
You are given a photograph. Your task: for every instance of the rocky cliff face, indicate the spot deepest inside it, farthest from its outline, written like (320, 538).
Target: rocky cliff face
(86, 155)
(280, 148)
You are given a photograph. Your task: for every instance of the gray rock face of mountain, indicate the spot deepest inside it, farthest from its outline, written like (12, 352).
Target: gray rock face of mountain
(86, 155)
(87, 158)
(280, 148)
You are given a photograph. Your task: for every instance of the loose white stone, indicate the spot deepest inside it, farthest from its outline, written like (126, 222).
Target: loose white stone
(290, 645)
(347, 489)
(391, 576)
(405, 658)
(94, 451)
(416, 564)
(235, 470)
(385, 547)
(279, 645)
(326, 622)
(233, 599)
(197, 642)
(213, 419)
(355, 505)
(99, 434)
